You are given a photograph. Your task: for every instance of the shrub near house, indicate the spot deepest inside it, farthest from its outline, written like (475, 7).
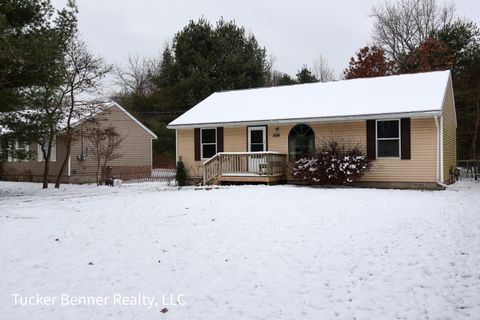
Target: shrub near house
(332, 164)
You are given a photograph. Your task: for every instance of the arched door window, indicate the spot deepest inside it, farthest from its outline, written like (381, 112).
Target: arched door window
(301, 142)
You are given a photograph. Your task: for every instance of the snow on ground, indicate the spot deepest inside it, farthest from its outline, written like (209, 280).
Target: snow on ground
(251, 252)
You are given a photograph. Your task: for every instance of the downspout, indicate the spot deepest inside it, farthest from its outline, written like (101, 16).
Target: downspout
(176, 146)
(69, 168)
(441, 150)
(439, 157)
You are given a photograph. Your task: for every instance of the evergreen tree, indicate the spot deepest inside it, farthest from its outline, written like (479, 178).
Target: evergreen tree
(462, 39)
(209, 59)
(32, 41)
(286, 80)
(201, 60)
(33, 71)
(181, 174)
(305, 75)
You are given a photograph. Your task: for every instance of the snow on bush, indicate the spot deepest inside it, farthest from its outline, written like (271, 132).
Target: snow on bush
(332, 164)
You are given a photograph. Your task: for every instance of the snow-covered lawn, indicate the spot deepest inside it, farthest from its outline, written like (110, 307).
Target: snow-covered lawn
(251, 252)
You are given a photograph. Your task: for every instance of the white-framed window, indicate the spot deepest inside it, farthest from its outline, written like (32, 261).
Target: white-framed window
(208, 142)
(4, 150)
(19, 152)
(53, 156)
(388, 138)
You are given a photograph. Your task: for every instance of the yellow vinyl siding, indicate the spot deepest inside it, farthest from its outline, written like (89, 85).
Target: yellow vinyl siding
(421, 167)
(235, 139)
(186, 152)
(449, 134)
(277, 139)
(351, 133)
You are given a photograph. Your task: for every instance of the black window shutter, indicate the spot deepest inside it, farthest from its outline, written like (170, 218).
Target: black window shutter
(371, 140)
(405, 139)
(220, 139)
(196, 139)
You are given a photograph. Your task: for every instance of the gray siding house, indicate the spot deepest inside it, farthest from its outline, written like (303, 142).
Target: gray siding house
(135, 152)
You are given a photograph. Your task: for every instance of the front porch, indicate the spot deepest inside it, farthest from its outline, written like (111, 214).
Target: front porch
(245, 167)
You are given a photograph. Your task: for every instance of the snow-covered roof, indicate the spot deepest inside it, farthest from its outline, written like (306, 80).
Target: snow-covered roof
(82, 113)
(410, 94)
(92, 112)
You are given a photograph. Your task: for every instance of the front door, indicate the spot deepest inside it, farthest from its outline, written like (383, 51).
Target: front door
(257, 142)
(257, 138)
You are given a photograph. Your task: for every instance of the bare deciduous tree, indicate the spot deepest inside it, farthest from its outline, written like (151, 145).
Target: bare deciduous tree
(51, 114)
(322, 70)
(400, 26)
(84, 72)
(136, 75)
(104, 142)
(275, 77)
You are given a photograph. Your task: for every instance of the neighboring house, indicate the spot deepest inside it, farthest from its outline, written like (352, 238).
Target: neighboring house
(135, 151)
(406, 123)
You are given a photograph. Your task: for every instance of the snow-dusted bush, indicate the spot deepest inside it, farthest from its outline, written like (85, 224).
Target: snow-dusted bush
(332, 164)
(181, 173)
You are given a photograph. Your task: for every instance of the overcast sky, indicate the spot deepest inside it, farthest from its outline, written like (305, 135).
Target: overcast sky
(294, 32)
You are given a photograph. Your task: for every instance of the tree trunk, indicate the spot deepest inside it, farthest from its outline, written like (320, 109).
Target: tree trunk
(476, 131)
(104, 168)
(68, 137)
(97, 173)
(64, 163)
(46, 170)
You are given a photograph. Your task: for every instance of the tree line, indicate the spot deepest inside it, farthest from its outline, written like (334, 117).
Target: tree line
(47, 68)
(412, 36)
(408, 36)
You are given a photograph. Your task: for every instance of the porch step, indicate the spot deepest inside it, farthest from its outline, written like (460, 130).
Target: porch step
(251, 179)
(210, 187)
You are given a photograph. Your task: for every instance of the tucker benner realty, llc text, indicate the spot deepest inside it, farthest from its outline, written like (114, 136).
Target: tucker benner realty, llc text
(65, 299)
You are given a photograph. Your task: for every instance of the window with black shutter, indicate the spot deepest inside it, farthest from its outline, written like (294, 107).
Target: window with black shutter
(388, 138)
(406, 139)
(208, 142)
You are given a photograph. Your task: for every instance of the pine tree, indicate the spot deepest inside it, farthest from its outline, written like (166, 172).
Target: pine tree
(305, 75)
(32, 42)
(181, 175)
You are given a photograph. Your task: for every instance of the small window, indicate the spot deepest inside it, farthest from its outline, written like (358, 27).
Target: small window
(208, 141)
(4, 150)
(388, 139)
(20, 151)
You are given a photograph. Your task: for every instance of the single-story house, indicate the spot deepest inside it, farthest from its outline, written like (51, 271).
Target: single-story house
(135, 151)
(405, 123)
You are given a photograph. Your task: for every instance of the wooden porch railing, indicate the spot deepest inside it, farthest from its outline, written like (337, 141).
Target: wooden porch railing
(244, 164)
